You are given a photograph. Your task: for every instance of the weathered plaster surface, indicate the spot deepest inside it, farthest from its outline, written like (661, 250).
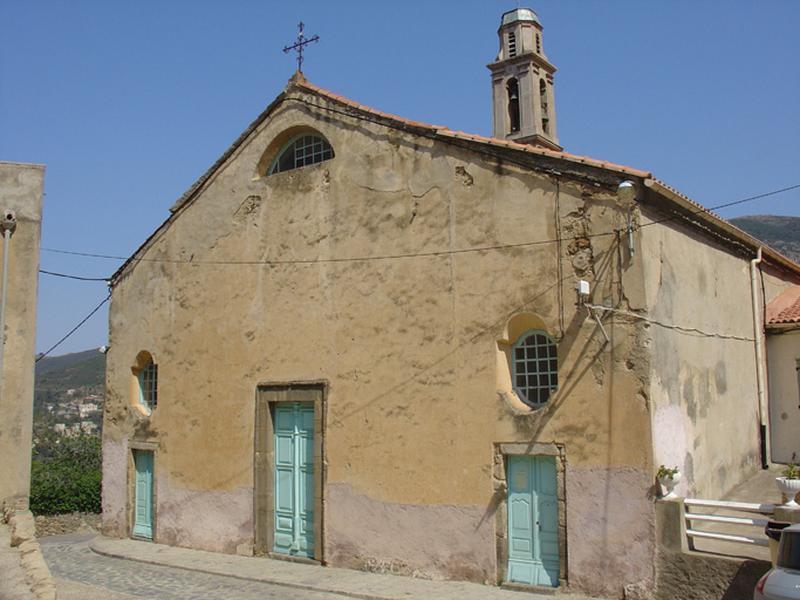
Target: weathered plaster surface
(704, 394)
(612, 507)
(206, 520)
(115, 486)
(409, 346)
(21, 189)
(431, 541)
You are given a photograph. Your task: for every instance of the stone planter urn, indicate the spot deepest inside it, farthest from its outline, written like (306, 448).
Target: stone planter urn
(789, 487)
(668, 483)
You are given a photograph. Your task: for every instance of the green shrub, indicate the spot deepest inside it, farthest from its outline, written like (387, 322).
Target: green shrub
(66, 474)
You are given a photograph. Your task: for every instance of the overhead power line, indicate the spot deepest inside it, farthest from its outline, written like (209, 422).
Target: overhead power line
(78, 277)
(391, 256)
(432, 253)
(73, 330)
(727, 204)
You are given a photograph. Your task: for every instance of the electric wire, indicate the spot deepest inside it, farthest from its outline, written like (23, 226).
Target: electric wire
(78, 277)
(73, 330)
(387, 257)
(726, 205)
(397, 256)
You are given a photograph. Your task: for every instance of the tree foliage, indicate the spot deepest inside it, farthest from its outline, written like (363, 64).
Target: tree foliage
(65, 474)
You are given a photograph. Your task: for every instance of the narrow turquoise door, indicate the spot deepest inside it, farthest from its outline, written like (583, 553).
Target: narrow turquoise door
(294, 479)
(143, 494)
(532, 520)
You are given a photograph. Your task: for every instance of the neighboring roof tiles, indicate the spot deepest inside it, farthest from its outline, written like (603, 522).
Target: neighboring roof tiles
(785, 309)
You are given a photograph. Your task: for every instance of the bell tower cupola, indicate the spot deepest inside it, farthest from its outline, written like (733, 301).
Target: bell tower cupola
(522, 83)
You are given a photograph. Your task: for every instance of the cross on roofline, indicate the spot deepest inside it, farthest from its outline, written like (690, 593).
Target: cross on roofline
(300, 44)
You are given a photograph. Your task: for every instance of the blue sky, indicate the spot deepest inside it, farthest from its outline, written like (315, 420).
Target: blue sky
(127, 103)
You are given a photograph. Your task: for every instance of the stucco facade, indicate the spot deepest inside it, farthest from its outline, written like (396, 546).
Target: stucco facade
(784, 381)
(394, 279)
(783, 351)
(21, 189)
(704, 394)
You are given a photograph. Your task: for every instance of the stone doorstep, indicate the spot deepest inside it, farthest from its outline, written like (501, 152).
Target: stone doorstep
(346, 582)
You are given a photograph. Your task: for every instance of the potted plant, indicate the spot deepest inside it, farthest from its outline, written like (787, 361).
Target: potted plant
(789, 484)
(668, 478)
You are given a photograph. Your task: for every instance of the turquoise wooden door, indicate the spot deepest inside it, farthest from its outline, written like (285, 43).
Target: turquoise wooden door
(294, 479)
(532, 520)
(143, 494)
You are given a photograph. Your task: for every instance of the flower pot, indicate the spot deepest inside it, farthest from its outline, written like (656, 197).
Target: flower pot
(669, 483)
(789, 487)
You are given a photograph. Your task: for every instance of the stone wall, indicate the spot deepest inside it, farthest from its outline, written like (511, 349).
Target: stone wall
(21, 188)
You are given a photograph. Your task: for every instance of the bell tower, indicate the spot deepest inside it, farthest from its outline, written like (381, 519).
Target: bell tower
(522, 83)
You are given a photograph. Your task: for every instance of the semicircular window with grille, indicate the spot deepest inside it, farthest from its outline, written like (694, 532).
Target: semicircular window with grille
(302, 150)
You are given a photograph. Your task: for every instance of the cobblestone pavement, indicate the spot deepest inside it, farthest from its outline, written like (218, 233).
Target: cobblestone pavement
(85, 574)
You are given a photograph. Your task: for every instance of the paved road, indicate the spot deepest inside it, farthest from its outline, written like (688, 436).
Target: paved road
(83, 575)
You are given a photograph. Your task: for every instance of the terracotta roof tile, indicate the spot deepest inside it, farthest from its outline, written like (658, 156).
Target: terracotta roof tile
(446, 132)
(785, 308)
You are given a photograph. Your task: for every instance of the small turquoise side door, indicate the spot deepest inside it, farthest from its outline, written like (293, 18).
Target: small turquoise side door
(532, 520)
(143, 494)
(294, 479)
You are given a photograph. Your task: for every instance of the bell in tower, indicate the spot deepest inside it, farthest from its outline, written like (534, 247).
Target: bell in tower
(522, 83)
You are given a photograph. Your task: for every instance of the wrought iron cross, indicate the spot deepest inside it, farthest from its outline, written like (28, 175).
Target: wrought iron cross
(300, 44)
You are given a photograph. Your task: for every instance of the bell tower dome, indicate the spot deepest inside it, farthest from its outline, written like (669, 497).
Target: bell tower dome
(522, 83)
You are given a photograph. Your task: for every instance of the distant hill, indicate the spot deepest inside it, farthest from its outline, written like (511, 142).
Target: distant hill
(782, 233)
(55, 375)
(65, 361)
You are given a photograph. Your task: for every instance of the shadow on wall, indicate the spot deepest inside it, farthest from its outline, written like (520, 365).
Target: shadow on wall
(743, 583)
(694, 576)
(489, 329)
(532, 424)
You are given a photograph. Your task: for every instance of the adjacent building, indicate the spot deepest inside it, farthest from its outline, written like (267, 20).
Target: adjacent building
(783, 352)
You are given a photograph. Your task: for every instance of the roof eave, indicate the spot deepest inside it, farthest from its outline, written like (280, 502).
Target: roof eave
(699, 212)
(786, 327)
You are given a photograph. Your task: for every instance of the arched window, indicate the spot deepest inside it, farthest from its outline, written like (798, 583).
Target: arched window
(543, 102)
(148, 385)
(512, 88)
(302, 150)
(535, 365)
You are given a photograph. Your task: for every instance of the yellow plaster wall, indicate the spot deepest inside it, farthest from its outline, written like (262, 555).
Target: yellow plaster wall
(407, 346)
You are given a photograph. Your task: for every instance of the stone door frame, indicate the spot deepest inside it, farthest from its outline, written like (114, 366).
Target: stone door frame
(501, 453)
(267, 395)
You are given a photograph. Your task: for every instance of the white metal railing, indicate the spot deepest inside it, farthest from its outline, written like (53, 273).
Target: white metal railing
(747, 507)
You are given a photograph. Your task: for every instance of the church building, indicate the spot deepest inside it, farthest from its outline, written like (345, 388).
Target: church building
(374, 343)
